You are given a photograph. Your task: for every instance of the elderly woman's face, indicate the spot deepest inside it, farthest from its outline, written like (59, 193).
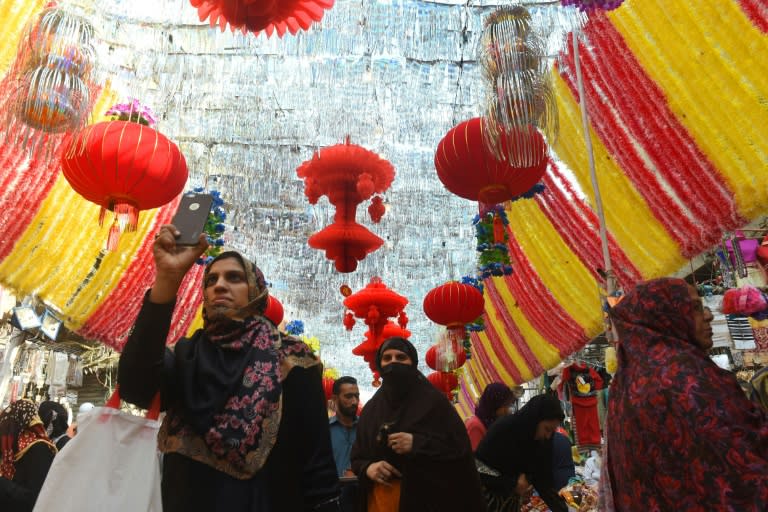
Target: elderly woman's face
(702, 321)
(392, 355)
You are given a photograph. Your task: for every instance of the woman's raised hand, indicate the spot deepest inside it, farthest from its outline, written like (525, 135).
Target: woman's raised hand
(172, 262)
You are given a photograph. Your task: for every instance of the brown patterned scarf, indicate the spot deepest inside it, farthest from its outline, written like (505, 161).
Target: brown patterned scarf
(230, 373)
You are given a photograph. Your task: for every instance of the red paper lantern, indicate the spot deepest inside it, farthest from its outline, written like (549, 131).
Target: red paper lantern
(271, 16)
(328, 387)
(376, 304)
(444, 381)
(274, 311)
(348, 175)
(468, 169)
(443, 360)
(124, 167)
(453, 304)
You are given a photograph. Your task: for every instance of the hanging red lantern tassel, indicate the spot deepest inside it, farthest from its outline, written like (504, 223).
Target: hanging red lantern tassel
(498, 229)
(123, 167)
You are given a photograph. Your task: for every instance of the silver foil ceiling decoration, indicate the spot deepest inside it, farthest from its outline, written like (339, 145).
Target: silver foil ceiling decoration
(246, 110)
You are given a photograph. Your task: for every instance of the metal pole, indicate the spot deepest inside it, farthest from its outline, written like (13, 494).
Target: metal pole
(610, 280)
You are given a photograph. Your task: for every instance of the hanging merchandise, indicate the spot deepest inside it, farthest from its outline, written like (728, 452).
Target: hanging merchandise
(51, 79)
(581, 384)
(348, 175)
(124, 166)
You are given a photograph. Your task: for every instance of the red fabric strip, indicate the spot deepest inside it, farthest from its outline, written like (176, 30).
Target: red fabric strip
(634, 131)
(757, 12)
(540, 307)
(578, 225)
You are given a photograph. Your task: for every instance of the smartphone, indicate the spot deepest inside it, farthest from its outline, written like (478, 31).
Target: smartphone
(191, 216)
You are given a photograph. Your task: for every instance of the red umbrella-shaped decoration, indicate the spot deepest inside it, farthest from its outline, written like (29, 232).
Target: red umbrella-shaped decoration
(348, 175)
(124, 167)
(375, 304)
(274, 311)
(270, 16)
(468, 169)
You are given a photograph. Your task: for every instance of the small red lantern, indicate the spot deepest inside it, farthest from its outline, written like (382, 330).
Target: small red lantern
(124, 167)
(376, 304)
(328, 387)
(368, 348)
(468, 169)
(454, 304)
(444, 381)
(440, 359)
(348, 175)
(274, 311)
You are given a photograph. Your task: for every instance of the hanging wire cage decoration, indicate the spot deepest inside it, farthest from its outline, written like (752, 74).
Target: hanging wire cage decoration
(50, 78)
(520, 101)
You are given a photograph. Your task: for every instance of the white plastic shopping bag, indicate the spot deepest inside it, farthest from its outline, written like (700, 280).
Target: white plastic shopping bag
(111, 464)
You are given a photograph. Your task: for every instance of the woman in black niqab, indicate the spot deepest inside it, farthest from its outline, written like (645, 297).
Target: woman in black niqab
(438, 473)
(521, 444)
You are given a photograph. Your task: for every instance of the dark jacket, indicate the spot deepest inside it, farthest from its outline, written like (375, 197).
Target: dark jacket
(439, 474)
(20, 494)
(299, 474)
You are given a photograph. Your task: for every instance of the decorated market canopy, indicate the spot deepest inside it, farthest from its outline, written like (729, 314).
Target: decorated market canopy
(678, 106)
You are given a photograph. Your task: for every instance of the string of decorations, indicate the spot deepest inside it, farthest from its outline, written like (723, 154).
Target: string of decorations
(657, 250)
(214, 227)
(50, 80)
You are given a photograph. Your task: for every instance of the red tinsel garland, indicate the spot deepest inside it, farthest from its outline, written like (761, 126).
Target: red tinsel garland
(757, 11)
(666, 142)
(535, 299)
(615, 73)
(483, 370)
(510, 327)
(577, 223)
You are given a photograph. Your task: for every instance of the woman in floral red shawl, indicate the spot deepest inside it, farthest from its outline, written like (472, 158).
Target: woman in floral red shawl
(681, 433)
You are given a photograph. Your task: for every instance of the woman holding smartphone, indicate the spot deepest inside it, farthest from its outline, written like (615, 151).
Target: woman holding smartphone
(246, 427)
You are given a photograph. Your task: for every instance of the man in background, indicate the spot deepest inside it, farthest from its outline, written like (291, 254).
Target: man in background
(346, 397)
(343, 426)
